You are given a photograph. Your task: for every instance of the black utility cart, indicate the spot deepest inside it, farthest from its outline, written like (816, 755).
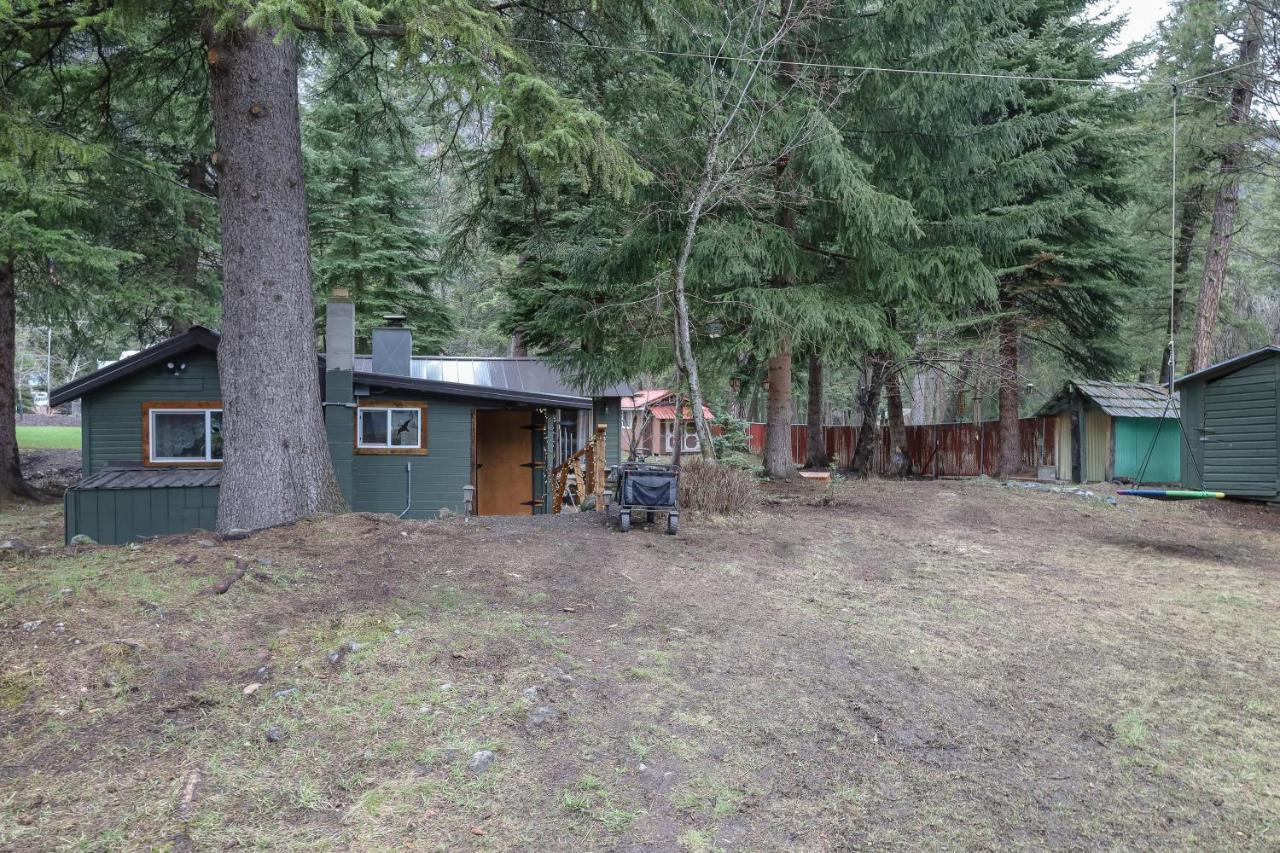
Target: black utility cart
(648, 488)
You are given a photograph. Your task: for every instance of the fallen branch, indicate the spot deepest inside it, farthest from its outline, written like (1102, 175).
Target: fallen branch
(221, 587)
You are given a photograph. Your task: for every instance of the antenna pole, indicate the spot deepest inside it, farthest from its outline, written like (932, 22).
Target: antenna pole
(1173, 239)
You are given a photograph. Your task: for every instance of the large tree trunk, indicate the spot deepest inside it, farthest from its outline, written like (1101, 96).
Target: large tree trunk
(815, 434)
(1228, 199)
(899, 453)
(11, 482)
(777, 442)
(1189, 222)
(867, 447)
(276, 456)
(1010, 385)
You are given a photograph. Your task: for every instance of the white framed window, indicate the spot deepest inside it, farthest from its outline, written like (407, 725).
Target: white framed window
(690, 442)
(181, 433)
(392, 428)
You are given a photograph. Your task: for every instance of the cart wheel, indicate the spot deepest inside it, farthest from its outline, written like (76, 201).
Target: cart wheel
(650, 517)
(673, 523)
(624, 520)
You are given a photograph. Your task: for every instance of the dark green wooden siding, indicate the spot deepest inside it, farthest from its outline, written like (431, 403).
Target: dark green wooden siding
(379, 482)
(1232, 427)
(1239, 430)
(339, 427)
(111, 418)
(117, 516)
(112, 432)
(608, 411)
(1191, 451)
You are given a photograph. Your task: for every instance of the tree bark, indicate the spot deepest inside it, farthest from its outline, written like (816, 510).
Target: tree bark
(1192, 209)
(685, 357)
(777, 440)
(677, 434)
(899, 452)
(1226, 203)
(815, 434)
(12, 484)
(866, 449)
(276, 465)
(1010, 385)
(957, 402)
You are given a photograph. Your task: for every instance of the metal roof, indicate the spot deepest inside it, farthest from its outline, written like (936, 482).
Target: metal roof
(1118, 399)
(530, 375)
(135, 476)
(1231, 365)
(512, 380)
(471, 392)
(668, 413)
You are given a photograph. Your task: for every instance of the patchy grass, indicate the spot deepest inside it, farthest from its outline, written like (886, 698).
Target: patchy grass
(49, 437)
(914, 664)
(34, 524)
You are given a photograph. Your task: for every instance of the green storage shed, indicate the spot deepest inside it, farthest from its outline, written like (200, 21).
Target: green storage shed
(1125, 431)
(1231, 418)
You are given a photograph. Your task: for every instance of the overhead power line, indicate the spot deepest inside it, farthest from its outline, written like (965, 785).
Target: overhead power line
(881, 69)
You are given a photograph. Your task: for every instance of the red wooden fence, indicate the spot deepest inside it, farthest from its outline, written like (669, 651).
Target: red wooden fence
(945, 450)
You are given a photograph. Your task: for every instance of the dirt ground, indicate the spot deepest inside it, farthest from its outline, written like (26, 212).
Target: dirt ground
(910, 665)
(51, 470)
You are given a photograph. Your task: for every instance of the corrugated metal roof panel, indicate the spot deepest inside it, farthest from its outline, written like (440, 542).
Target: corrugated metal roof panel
(130, 477)
(531, 375)
(668, 413)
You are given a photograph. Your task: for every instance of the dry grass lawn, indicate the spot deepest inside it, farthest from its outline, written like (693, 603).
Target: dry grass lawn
(915, 665)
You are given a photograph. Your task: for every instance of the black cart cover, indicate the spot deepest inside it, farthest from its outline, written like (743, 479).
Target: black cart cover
(649, 490)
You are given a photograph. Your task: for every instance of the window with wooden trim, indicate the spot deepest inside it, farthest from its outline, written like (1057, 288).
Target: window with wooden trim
(182, 433)
(391, 427)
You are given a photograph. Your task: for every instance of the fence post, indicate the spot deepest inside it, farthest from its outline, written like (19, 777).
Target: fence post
(934, 430)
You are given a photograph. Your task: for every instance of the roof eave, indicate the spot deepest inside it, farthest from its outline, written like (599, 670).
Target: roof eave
(472, 392)
(1230, 365)
(197, 337)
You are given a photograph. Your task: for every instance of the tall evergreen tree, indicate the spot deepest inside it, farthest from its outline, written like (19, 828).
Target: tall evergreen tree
(368, 190)
(1050, 227)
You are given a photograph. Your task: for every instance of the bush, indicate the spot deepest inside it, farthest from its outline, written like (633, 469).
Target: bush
(718, 489)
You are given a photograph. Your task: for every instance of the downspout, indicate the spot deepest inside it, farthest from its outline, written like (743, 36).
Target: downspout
(408, 487)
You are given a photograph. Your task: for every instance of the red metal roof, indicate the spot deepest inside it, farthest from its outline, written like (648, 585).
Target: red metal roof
(639, 399)
(668, 413)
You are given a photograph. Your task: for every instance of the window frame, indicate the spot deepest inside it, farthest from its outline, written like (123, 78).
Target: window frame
(152, 408)
(388, 449)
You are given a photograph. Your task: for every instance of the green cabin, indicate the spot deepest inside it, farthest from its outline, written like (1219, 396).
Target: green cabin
(1106, 431)
(1231, 418)
(409, 435)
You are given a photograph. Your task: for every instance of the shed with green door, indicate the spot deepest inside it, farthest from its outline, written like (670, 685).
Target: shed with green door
(1125, 431)
(1231, 419)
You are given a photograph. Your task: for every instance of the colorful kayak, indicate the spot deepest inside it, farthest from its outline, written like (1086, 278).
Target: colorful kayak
(1169, 494)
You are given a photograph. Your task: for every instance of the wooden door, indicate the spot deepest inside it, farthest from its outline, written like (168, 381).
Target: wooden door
(504, 448)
